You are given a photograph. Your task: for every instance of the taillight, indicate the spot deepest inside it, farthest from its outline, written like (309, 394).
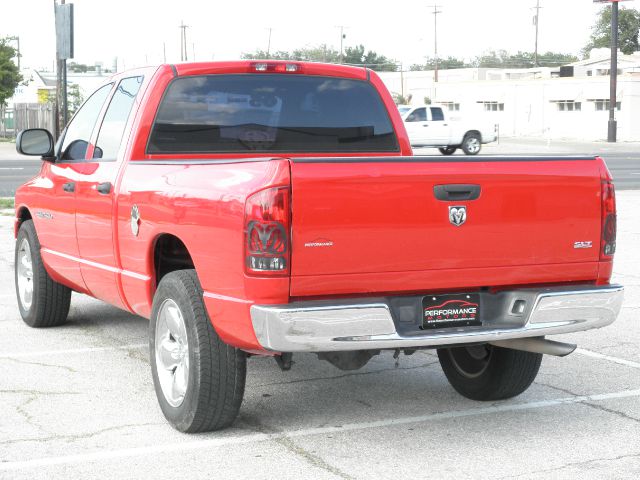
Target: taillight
(266, 226)
(608, 240)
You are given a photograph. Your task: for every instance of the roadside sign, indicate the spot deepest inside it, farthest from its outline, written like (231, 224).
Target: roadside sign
(64, 31)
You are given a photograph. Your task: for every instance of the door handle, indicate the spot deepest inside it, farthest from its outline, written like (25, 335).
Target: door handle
(69, 187)
(456, 192)
(425, 125)
(104, 188)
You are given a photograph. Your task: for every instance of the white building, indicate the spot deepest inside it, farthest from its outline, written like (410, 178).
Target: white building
(535, 102)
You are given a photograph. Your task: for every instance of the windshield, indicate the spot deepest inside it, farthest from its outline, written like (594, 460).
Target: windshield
(403, 110)
(271, 113)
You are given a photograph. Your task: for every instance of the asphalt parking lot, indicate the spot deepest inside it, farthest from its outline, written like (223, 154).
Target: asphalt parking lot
(78, 402)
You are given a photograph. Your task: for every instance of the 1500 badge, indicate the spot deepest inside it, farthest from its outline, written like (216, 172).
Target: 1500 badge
(45, 215)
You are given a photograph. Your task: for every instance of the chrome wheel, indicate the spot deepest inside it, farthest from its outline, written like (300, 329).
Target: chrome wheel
(24, 275)
(473, 145)
(172, 353)
(472, 361)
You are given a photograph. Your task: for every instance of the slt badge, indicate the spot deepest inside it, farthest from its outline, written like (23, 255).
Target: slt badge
(135, 220)
(457, 215)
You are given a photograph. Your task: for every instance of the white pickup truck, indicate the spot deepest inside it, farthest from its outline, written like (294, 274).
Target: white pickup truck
(428, 126)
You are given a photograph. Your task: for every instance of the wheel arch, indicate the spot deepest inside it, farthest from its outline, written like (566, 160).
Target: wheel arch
(169, 254)
(472, 132)
(22, 215)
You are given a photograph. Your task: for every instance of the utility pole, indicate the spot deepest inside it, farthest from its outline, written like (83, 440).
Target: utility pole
(269, 42)
(435, 37)
(536, 21)
(64, 49)
(342, 37)
(183, 41)
(613, 74)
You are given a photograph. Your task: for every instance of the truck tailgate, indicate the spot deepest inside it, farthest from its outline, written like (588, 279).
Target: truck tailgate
(373, 225)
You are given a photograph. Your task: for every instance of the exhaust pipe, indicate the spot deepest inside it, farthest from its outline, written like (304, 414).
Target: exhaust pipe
(537, 345)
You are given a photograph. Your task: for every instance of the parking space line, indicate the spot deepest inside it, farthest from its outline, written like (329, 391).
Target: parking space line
(620, 361)
(96, 456)
(71, 351)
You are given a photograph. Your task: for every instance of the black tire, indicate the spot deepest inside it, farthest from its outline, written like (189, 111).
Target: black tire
(472, 143)
(485, 372)
(447, 150)
(50, 300)
(216, 371)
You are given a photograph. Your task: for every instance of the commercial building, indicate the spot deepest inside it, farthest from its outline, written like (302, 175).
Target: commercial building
(562, 102)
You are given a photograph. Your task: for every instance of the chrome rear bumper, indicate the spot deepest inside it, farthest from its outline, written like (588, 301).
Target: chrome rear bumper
(362, 324)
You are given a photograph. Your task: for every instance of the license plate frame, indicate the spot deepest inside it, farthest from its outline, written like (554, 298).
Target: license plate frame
(450, 310)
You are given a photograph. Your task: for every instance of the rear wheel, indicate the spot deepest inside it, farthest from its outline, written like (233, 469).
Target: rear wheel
(485, 372)
(42, 301)
(471, 144)
(447, 150)
(199, 380)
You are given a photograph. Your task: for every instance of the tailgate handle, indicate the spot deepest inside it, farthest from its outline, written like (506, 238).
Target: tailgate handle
(456, 192)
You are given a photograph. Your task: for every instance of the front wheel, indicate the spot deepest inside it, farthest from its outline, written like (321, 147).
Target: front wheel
(485, 372)
(471, 144)
(42, 301)
(447, 150)
(199, 380)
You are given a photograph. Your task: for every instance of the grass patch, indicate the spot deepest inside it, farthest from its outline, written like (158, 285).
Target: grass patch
(7, 203)
(7, 140)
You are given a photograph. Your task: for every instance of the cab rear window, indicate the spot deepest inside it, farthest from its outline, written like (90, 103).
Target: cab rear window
(271, 113)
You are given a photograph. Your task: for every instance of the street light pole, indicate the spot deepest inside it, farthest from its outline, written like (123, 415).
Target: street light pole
(613, 75)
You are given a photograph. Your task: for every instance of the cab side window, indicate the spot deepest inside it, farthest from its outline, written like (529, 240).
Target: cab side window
(418, 115)
(78, 132)
(436, 114)
(115, 120)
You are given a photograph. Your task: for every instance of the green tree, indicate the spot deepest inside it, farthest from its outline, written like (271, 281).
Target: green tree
(74, 98)
(504, 59)
(359, 56)
(443, 64)
(9, 75)
(628, 29)
(322, 53)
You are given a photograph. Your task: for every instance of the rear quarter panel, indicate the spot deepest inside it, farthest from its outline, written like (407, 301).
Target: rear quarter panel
(203, 206)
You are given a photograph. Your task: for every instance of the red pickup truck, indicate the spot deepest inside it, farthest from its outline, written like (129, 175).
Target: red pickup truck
(267, 208)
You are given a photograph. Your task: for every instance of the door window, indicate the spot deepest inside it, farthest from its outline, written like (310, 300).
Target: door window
(418, 115)
(436, 114)
(115, 119)
(78, 132)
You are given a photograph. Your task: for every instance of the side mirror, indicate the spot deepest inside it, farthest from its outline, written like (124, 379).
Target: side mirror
(35, 141)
